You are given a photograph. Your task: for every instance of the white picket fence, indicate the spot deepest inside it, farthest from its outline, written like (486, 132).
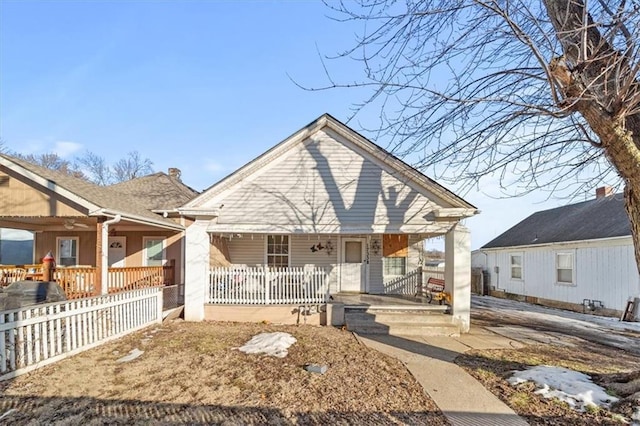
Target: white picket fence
(268, 286)
(34, 336)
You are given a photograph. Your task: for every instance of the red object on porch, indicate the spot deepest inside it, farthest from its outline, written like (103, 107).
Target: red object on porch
(48, 265)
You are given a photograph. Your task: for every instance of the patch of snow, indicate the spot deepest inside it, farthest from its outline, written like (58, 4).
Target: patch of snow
(586, 321)
(133, 354)
(572, 387)
(273, 344)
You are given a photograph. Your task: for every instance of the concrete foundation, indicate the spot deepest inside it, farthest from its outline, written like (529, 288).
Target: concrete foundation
(576, 307)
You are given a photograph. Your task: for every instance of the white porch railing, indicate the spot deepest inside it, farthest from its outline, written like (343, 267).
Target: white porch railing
(406, 285)
(34, 336)
(267, 286)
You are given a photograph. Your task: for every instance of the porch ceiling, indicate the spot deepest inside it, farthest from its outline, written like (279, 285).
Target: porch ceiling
(67, 223)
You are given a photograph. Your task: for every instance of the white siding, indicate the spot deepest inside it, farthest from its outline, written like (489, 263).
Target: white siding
(301, 255)
(604, 271)
(376, 281)
(326, 182)
(247, 251)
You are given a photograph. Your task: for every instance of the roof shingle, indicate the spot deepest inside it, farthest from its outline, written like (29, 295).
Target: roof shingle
(589, 220)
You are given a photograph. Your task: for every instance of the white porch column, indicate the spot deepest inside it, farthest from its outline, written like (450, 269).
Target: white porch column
(457, 275)
(196, 267)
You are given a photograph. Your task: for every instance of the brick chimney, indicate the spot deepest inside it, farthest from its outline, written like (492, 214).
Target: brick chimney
(603, 191)
(175, 173)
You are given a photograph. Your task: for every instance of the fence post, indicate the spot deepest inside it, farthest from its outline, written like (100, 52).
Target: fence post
(419, 283)
(267, 285)
(160, 301)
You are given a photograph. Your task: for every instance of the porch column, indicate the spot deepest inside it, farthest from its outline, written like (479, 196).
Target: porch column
(457, 274)
(97, 288)
(196, 270)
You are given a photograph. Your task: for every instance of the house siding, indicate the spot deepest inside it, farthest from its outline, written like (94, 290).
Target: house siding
(325, 181)
(22, 197)
(604, 271)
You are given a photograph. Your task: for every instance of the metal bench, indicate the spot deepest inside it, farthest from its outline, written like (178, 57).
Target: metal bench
(435, 291)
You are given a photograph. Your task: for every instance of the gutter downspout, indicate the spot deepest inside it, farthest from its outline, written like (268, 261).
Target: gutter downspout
(105, 252)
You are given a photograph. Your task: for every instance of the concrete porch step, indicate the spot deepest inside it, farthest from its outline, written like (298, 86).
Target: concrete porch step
(400, 320)
(390, 317)
(406, 329)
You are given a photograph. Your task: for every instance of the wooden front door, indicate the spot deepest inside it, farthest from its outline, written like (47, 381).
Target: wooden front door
(353, 265)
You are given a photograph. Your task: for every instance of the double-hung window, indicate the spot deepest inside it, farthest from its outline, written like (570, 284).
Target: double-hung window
(67, 252)
(153, 251)
(516, 266)
(278, 251)
(564, 268)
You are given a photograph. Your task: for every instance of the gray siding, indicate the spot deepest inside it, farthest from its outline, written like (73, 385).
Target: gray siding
(325, 182)
(603, 271)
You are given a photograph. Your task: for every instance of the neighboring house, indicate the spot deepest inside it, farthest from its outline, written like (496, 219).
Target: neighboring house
(325, 198)
(577, 256)
(116, 234)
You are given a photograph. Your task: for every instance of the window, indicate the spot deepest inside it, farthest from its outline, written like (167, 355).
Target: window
(395, 265)
(395, 249)
(278, 250)
(564, 268)
(153, 251)
(67, 253)
(516, 266)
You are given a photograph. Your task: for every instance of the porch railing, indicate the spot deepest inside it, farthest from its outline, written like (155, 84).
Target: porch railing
(79, 282)
(407, 284)
(268, 286)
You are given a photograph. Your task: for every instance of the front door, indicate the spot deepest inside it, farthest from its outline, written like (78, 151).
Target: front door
(353, 265)
(117, 251)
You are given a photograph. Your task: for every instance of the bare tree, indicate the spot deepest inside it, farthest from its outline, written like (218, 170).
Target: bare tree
(95, 168)
(131, 167)
(544, 94)
(53, 161)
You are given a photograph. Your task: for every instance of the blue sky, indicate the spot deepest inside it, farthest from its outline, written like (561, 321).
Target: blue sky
(204, 86)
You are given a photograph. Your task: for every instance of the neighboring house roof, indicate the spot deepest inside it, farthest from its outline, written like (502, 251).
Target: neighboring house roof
(325, 179)
(603, 217)
(157, 191)
(98, 200)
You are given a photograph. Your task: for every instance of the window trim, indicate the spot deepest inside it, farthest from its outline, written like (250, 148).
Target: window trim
(521, 266)
(266, 250)
(68, 237)
(145, 258)
(573, 268)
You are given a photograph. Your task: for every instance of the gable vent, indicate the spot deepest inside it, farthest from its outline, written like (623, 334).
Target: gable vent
(4, 180)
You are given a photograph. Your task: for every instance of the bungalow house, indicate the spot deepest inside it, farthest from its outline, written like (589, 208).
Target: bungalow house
(578, 257)
(328, 207)
(103, 239)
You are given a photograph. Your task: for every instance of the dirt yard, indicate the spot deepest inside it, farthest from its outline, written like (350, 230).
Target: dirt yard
(192, 373)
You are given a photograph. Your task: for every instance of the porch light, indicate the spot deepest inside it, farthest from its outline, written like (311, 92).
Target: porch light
(375, 247)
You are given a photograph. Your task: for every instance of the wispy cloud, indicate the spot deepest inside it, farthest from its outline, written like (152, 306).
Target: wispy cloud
(65, 149)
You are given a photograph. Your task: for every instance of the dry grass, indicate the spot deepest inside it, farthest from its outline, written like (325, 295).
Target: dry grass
(493, 367)
(191, 373)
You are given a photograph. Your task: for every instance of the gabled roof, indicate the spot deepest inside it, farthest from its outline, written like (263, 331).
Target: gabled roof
(603, 217)
(157, 191)
(326, 120)
(98, 200)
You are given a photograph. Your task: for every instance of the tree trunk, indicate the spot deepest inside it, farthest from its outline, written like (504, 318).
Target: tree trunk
(590, 76)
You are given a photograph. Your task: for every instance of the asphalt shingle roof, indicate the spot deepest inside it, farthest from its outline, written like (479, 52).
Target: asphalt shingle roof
(101, 196)
(595, 219)
(157, 191)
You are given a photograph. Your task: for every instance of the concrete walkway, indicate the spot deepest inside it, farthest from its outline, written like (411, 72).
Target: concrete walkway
(462, 399)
